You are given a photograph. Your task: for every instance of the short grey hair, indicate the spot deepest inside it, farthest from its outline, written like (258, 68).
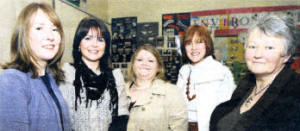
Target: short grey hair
(278, 25)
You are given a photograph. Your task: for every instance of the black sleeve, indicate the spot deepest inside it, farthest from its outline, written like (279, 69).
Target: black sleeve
(119, 123)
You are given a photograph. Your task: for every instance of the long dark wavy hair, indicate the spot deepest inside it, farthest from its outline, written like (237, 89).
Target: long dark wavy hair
(82, 30)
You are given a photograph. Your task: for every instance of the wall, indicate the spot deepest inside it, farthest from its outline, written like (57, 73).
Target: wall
(98, 8)
(152, 10)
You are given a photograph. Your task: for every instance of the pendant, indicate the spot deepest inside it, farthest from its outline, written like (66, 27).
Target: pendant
(248, 101)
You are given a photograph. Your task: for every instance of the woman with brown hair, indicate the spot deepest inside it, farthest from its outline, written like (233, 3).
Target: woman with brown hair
(29, 96)
(204, 81)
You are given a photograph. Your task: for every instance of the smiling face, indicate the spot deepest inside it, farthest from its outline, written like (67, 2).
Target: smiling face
(44, 38)
(145, 66)
(92, 46)
(195, 50)
(264, 54)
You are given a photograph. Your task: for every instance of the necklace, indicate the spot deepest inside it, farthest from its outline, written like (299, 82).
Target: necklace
(190, 98)
(250, 99)
(260, 90)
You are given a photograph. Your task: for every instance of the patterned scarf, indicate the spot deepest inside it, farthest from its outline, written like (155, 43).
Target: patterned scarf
(95, 85)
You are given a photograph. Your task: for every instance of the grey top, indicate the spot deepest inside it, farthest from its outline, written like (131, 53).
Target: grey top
(97, 116)
(26, 105)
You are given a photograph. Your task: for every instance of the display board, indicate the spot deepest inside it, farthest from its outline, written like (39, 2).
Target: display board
(124, 41)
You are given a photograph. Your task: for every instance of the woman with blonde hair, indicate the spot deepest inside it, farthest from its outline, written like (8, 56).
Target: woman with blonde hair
(154, 103)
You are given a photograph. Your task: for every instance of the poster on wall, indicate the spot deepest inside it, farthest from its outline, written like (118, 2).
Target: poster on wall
(228, 22)
(175, 24)
(147, 33)
(220, 48)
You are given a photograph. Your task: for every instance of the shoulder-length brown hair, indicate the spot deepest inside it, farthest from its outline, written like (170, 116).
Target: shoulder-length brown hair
(203, 35)
(160, 68)
(22, 57)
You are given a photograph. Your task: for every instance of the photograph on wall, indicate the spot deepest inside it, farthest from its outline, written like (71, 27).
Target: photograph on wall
(147, 33)
(175, 24)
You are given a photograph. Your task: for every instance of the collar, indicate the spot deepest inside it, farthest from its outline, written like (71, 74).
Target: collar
(204, 63)
(156, 88)
(47, 71)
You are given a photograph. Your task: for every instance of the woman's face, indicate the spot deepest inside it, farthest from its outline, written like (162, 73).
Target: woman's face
(145, 65)
(92, 46)
(264, 54)
(44, 38)
(195, 50)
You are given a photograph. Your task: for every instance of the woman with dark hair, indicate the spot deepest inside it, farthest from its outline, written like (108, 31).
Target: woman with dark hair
(92, 89)
(268, 97)
(29, 97)
(205, 81)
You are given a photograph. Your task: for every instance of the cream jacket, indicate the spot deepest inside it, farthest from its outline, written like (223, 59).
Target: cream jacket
(161, 109)
(212, 83)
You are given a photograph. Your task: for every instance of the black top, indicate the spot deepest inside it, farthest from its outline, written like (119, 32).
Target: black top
(230, 120)
(277, 109)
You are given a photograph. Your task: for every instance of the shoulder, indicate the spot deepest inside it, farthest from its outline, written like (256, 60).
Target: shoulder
(68, 67)
(218, 65)
(12, 75)
(117, 73)
(168, 87)
(160, 82)
(119, 79)
(185, 67)
(69, 71)
(292, 85)
(217, 68)
(13, 79)
(184, 70)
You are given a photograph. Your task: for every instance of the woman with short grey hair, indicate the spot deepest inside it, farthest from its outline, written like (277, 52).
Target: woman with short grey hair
(278, 26)
(268, 97)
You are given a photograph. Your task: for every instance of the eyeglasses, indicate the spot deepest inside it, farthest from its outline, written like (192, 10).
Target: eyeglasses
(188, 89)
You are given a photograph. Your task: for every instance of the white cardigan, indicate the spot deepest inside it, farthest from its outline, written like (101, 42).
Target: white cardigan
(213, 84)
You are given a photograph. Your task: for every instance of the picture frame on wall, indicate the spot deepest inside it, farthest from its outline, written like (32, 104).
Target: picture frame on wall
(75, 2)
